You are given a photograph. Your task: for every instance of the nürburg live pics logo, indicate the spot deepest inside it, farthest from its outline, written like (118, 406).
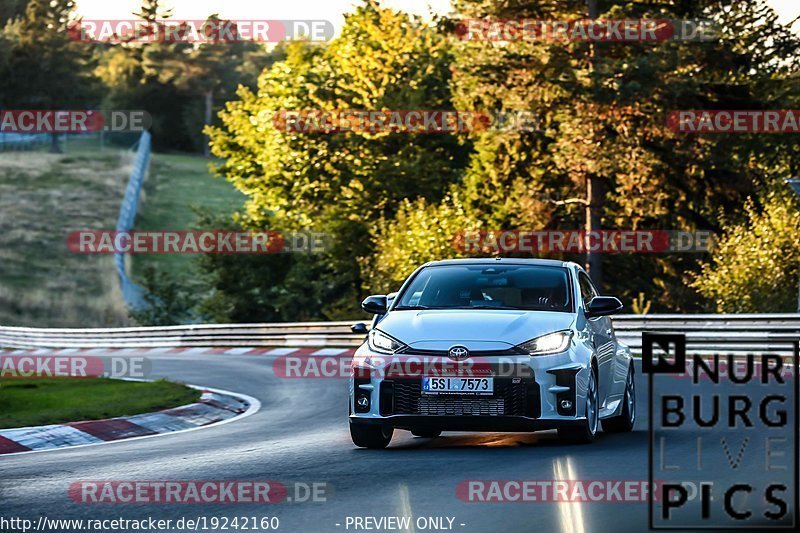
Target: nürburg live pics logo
(722, 445)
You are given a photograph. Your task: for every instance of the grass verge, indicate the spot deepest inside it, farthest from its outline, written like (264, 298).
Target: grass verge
(43, 197)
(176, 186)
(36, 402)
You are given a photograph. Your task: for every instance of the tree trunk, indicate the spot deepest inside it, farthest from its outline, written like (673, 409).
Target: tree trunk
(594, 206)
(798, 297)
(209, 101)
(55, 147)
(594, 192)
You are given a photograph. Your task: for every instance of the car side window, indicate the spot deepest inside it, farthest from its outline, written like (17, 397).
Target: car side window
(587, 289)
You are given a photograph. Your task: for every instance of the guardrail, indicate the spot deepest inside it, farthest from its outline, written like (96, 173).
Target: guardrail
(22, 141)
(743, 333)
(133, 293)
(746, 332)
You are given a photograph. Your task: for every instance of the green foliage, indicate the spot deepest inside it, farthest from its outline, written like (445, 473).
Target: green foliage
(180, 84)
(420, 232)
(43, 68)
(756, 264)
(264, 288)
(392, 200)
(167, 301)
(602, 110)
(341, 183)
(640, 306)
(382, 60)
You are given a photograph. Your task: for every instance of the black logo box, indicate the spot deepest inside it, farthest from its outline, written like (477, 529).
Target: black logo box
(676, 364)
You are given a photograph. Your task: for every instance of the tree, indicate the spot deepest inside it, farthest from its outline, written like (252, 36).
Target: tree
(131, 72)
(342, 183)
(755, 266)
(212, 69)
(45, 68)
(180, 83)
(167, 302)
(602, 109)
(418, 233)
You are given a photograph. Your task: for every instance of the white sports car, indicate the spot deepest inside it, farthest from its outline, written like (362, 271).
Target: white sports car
(492, 345)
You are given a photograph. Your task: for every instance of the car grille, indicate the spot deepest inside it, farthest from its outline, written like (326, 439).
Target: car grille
(448, 405)
(404, 397)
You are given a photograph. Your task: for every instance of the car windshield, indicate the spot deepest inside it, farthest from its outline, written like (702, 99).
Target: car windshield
(529, 287)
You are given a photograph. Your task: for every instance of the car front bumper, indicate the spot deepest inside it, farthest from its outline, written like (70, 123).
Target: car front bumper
(530, 394)
(467, 423)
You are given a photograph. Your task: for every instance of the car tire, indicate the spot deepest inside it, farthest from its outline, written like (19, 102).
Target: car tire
(426, 433)
(373, 436)
(586, 431)
(624, 422)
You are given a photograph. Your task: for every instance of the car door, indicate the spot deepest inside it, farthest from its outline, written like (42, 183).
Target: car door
(602, 339)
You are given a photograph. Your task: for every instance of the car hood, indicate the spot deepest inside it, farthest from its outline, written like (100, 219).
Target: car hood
(476, 329)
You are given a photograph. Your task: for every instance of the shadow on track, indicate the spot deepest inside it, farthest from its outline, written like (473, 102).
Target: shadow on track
(637, 440)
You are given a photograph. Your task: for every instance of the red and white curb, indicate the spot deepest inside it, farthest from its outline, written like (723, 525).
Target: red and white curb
(215, 407)
(274, 352)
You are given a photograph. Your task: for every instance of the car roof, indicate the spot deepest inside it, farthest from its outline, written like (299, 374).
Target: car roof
(502, 261)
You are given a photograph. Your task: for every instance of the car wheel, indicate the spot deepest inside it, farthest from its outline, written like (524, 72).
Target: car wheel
(372, 436)
(586, 431)
(426, 433)
(625, 420)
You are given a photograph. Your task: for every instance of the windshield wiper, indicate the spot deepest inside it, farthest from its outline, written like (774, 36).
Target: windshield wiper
(410, 307)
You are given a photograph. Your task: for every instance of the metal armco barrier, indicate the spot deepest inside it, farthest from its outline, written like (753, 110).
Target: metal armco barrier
(735, 332)
(133, 293)
(22, 141)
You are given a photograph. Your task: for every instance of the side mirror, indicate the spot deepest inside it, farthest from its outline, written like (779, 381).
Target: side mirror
(360, 328)
(375, 304)
(603, 306)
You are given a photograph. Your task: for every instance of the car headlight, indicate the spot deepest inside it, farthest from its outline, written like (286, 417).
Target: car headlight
(382, 343)
(548, 344)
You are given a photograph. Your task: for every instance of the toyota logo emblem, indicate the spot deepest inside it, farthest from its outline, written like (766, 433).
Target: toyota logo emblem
(458, 353)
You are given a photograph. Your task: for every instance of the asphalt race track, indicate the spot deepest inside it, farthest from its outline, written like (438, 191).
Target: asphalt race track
(301, 435)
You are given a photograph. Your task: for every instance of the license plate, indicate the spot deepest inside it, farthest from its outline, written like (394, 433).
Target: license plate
(472, 386)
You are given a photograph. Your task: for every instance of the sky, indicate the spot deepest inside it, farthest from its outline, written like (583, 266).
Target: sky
(255, 9)
(302, 9)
